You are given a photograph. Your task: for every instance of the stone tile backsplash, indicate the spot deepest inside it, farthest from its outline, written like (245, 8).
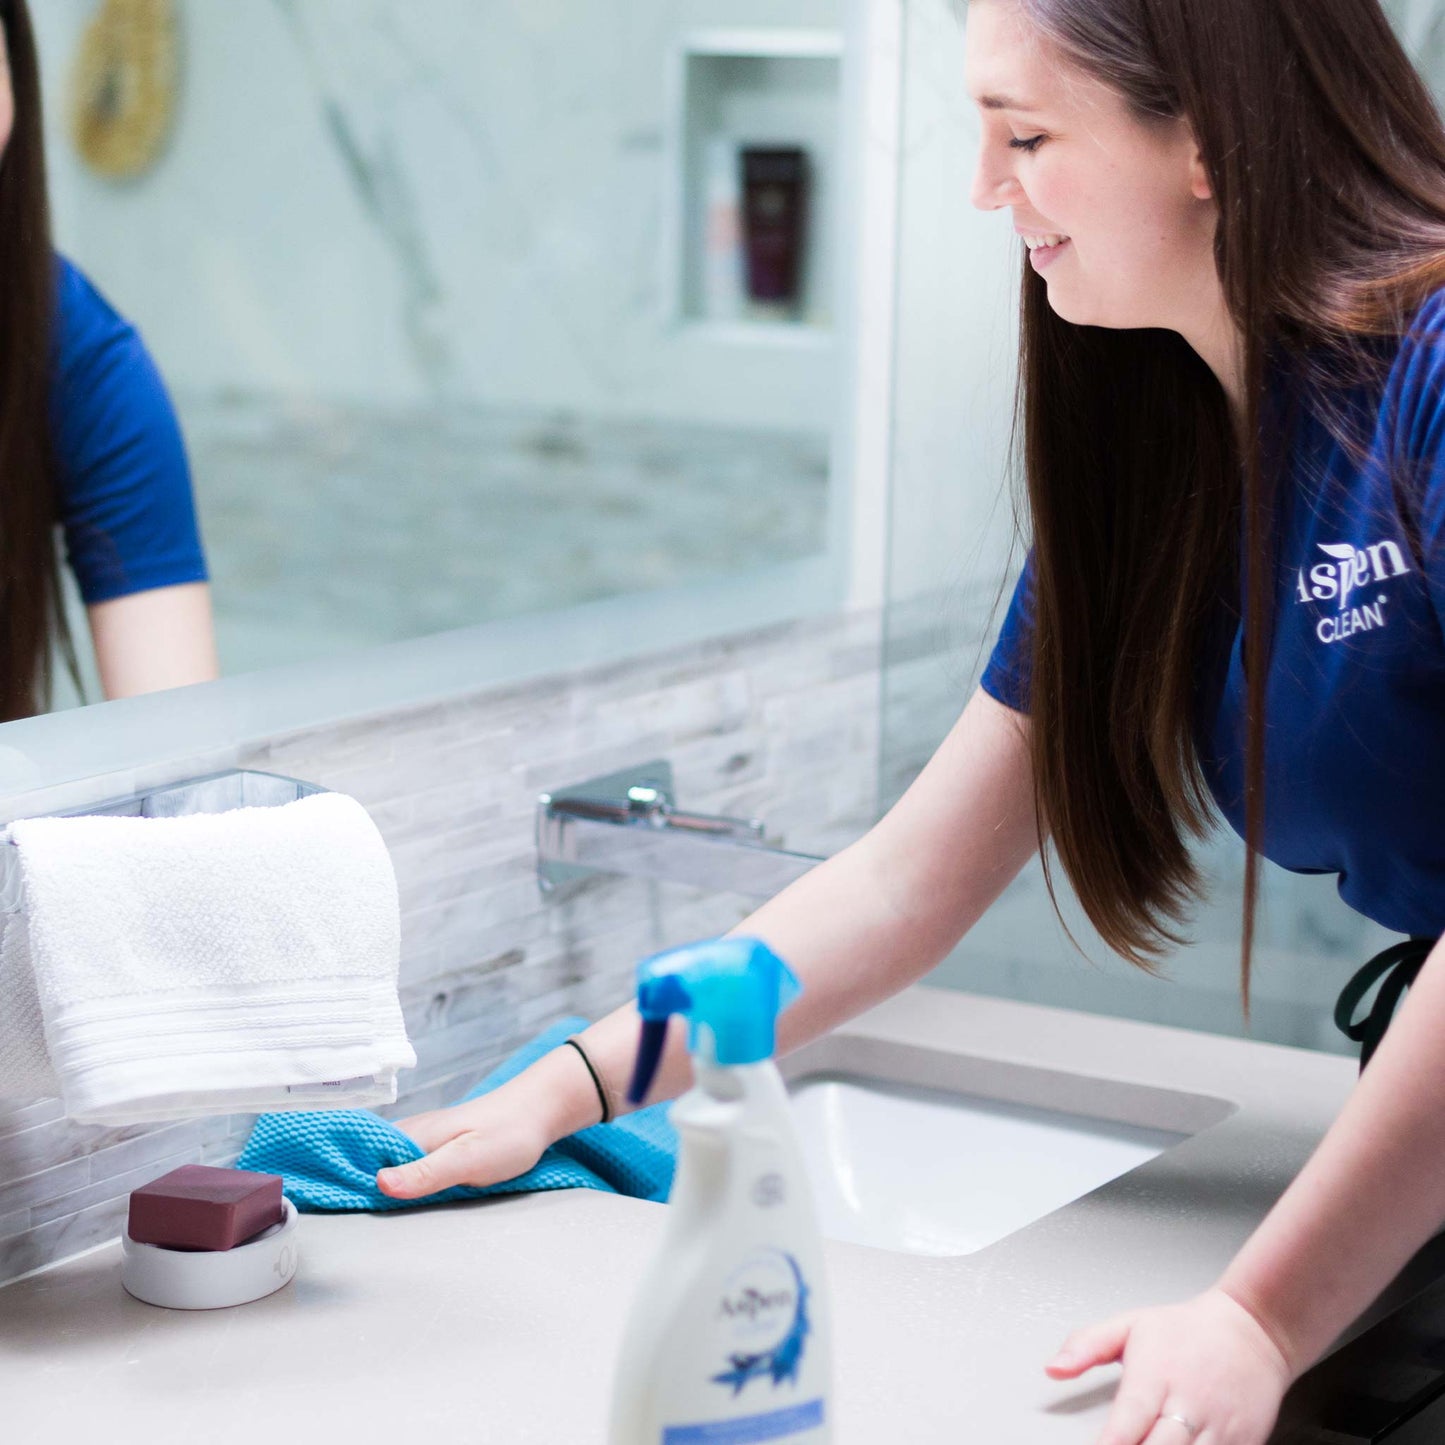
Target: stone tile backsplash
(780, 723)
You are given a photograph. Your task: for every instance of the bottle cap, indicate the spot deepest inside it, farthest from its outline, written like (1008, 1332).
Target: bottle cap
(730, 990)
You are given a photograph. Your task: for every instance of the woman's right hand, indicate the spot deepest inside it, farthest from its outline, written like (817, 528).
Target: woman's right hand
(484, 1141)
(502, 1134)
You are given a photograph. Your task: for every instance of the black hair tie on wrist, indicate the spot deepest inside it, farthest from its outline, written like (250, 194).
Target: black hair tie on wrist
(597, 1081)
(1398, 966)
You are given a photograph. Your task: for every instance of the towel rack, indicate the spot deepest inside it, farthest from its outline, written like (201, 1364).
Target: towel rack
(214, 793)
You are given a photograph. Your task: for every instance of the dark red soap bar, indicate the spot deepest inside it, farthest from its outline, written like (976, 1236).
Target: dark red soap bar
(197, 1207)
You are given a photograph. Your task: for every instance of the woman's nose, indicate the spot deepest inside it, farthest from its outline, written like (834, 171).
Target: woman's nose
(994, 186)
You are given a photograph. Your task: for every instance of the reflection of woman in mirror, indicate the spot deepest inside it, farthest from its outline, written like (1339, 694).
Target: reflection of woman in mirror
(1232, 408)
(89, 443)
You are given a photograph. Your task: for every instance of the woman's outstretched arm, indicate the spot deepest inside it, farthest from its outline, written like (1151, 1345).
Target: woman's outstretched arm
(857, 928)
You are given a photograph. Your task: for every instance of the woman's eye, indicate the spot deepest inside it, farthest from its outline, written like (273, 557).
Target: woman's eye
(1031, 144)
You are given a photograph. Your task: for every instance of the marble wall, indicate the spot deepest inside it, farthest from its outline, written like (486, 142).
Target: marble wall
(346, 527)
(378, 202)
(402, 268)
(780, 724)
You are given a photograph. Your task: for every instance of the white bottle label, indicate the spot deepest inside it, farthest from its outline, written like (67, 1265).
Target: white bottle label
(789, 1423)
(761, 1331)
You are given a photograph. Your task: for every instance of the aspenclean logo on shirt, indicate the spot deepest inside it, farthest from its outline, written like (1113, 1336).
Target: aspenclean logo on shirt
(1349, 571)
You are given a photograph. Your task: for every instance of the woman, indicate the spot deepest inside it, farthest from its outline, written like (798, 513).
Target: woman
(88, 441)
(1233, 406)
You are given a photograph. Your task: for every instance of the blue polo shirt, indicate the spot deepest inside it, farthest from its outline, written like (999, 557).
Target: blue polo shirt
(126, 506)
(1355, 700)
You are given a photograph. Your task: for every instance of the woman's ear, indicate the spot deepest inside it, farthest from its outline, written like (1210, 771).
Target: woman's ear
(1199, 177)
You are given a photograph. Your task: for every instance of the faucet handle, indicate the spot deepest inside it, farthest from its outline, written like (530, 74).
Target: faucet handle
(649, 802)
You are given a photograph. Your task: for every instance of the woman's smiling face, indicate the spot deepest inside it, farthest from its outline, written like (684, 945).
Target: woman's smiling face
(1068, 157)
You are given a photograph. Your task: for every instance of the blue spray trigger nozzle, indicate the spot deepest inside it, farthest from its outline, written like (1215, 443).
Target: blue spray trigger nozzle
(733, 987)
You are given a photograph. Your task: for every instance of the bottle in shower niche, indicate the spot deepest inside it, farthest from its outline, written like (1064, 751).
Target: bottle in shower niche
(722, 278)
(775, 207)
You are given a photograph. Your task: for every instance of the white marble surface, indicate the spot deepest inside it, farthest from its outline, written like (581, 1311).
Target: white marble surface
(330, 528)
(391, 203)
(499, 1321)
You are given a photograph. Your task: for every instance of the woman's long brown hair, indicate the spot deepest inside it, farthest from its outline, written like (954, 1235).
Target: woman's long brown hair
(1326, 158)
(31, 613)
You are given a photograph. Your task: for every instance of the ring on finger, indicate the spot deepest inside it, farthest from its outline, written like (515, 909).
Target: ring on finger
(1184, 1420)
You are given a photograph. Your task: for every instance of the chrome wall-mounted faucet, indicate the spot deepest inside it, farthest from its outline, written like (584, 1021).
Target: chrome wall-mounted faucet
(628, 823)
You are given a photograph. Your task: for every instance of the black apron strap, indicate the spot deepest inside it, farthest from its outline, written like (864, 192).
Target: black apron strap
(1398, 966)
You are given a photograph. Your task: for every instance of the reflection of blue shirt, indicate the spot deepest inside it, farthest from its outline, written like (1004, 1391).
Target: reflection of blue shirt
(1355, 708)
(125, 486)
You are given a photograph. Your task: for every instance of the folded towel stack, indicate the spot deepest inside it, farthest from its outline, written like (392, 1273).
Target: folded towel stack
(208, 964)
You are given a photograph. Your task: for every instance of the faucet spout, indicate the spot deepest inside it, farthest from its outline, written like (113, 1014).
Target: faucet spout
(627, 823)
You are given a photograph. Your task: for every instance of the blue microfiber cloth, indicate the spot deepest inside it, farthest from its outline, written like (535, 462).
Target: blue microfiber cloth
(329, 1160)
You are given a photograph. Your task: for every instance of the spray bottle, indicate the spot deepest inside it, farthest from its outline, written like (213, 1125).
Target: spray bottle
(728, 1338)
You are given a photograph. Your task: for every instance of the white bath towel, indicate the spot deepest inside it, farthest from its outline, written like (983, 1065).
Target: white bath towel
(25, 1071)
(210, 964)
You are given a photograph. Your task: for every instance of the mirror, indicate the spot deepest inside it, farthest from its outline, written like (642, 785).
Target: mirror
(465, 311)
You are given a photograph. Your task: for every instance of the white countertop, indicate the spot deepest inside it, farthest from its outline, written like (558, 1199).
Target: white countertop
(498, 1320)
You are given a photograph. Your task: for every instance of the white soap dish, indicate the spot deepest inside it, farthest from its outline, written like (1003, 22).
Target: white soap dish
(211, 1279)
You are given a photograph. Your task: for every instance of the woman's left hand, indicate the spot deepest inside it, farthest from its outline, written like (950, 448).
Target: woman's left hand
(1209, 1362)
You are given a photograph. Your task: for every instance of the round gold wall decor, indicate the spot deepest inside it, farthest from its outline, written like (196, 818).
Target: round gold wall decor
(123, 86)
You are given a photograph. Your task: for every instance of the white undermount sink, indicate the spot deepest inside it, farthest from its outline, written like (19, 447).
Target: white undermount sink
(937, 1172)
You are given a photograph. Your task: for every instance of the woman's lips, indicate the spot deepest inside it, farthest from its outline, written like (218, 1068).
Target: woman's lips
(1042, 256)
